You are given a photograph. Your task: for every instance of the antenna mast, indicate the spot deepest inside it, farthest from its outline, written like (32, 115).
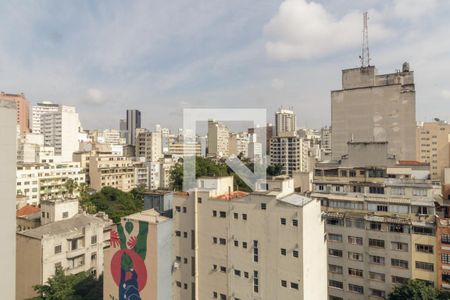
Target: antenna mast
(365, 56)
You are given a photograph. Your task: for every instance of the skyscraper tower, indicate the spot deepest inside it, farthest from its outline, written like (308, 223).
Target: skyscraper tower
(133, 122)
(285, 122)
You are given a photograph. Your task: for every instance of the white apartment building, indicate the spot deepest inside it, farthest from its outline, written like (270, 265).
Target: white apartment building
(291, 153)
(31, 149)
(8, 125)
(61, 131)
(238, 144)
(37, 181)
(218, 138)
(107, 136)
(68, 240)
(285, 122)
(148, 144)
(38, 110)
(154, 175)
(233, 245)
(111, 170)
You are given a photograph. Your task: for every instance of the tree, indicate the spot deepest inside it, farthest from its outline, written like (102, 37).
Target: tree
(83, 189)
(70, 186)
(274, 170)
(415, 290)
(81, 286)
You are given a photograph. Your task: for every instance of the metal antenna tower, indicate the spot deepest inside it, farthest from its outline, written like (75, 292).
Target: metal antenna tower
(365, 56)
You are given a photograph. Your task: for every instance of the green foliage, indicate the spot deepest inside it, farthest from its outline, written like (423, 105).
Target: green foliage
(70, 186)
(81, 286)
(417, 290)
(274, 170)
(115, 203)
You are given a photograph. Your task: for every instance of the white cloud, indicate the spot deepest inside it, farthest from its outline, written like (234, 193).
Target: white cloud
(95, 96)
(305, 30)
(277, 83)
(446, 94)
(412, 9)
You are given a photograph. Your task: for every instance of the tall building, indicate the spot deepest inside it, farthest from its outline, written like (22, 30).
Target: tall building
(138, 263)
(325, 142)
(38, 110)
(372, 107)
(111, 170)
(291, 153)
(8, 130)
(68, 241)
(133, 122)
(148, 144)
(233, 245)
(61, 130)
(433, 147)
(22, 110)
(218, 137)
(381, 227)
(285, 122)
(238, 144)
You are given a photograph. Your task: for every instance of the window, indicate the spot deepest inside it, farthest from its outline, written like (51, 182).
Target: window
(93, 240)
(223, 214)
(382, 208)
(420, 192)
(237, 273)
(295, 222)
(396, 228)
(335, 221)
(295, 253)
(214, 240)
(199, 200)
(355, 240)
(185, 234)
(445, 258)
(255, 282)
(335, 252)
(73, 244)
(58, 249)
(424, 266)
(357, 189)
(178, 208)
(424, 248)
(397, 246)
(355, 256)
(359, 223)
(355, 288)
(244, 217)
(335, 269)
(283, 221)
(376, 243)
(376, 190)
(375, 226)
(214, 295)
(377, 276)
(223, 269)
(423, 230)
(214, 213)
(178, 283)
(244, 245)
(294, 285)
(377, 293)
(223, 297)
(184, 209)
(263, 206)
(336, 284)
(283, 251)
(236, 243)
(236, 215)
(398, 279)
(246, 274)
(255, 251)
(377, 260)
(283, 283)
(399, 263)
(445, 239)
(355, 272)
(222, 241)
(397, 191)
(335, 237)
(65, 215)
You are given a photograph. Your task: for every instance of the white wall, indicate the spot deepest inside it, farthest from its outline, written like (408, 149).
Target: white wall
(8, 198)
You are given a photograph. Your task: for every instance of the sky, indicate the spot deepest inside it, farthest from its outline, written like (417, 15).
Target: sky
(159, 56)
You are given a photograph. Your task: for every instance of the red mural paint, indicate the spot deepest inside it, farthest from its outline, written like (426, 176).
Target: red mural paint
(138, 264)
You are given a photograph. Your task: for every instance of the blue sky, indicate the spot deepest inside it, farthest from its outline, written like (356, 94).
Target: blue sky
(161, 56)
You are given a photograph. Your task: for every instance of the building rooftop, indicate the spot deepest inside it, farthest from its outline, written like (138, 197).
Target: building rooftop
(296, 199)
(73, 224)
(27, 210)
(149, 215)
(231, 195)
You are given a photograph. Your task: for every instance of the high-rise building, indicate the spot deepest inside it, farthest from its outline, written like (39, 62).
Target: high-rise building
(133, 122)
(325, 142)
(111, 170)
(433, 147)
(238, 144)
(381, 227)
(38, 110)
(218, 137)
(372, 107)
(8, 125)
(234, 245)
(291, 153)
(22, 110)
(138, 263)
(148, 144)
(285, 122)
(61, 130)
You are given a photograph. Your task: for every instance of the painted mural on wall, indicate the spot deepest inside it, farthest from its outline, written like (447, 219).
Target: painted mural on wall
(128, 269)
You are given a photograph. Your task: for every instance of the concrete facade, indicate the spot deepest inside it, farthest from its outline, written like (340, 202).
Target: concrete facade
(372, 107)
(38, 110)
(8, 121)
(285, 123)
(218, 139)
(111, 170)
(22, 110)
(289, 152)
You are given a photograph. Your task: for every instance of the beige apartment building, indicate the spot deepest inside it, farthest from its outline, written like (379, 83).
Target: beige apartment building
(22, 110)
(285, 122)
(380, 222)
(68, 240)
(186, 148)
(291, 153)
(111, 170)
(433, 147)
(148, 144)
(371, 107)
(234, 245)
(218, 138)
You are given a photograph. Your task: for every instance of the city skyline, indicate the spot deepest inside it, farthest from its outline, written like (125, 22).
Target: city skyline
(155, 65)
